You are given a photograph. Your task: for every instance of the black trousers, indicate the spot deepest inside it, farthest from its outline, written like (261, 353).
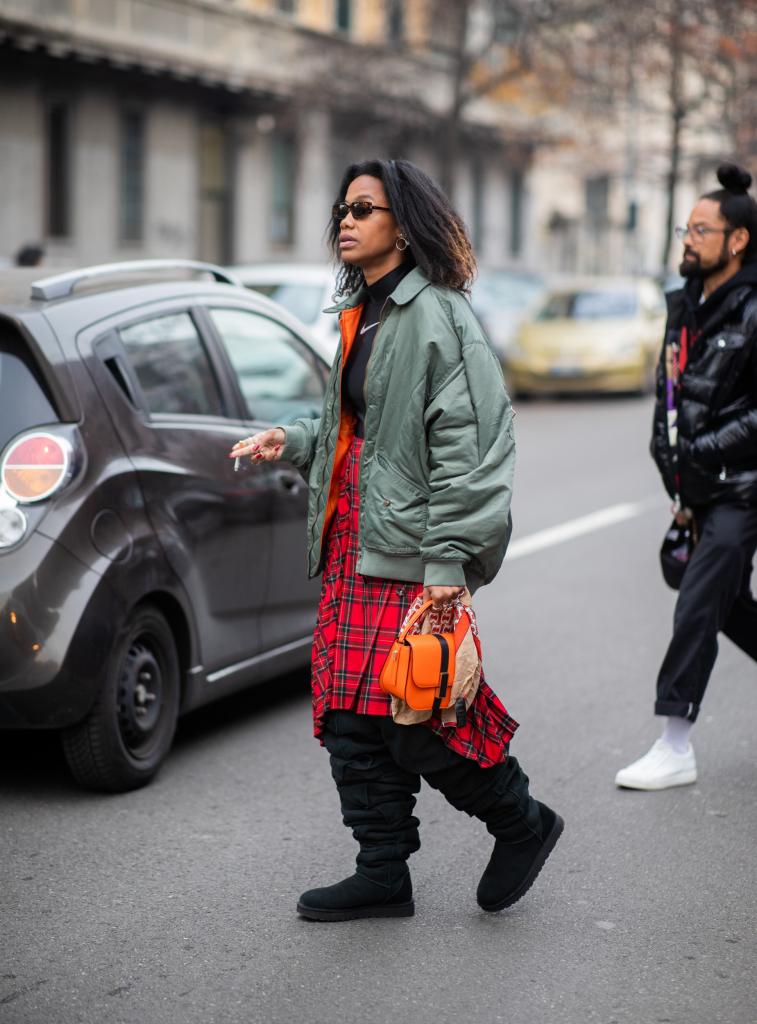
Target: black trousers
(378, 766)
(715, 597)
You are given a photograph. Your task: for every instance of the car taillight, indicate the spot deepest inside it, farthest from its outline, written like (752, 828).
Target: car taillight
(35, 466)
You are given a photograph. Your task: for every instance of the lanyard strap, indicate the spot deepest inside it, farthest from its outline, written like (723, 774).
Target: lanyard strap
(673, 369)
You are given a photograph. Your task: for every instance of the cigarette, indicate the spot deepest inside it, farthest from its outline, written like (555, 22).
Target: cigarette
(236, 464)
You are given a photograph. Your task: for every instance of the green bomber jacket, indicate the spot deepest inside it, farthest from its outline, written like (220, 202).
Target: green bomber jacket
(436, 470)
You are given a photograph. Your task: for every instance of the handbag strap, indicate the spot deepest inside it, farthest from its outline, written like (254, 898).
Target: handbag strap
(418, 614)
(462, 627)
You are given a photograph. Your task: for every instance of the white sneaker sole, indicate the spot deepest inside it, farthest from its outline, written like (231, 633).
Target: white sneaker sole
(683, 778)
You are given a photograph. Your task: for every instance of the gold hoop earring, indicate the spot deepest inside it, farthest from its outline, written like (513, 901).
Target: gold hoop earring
(397, 245)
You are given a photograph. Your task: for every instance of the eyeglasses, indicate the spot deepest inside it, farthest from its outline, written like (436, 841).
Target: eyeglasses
(360, 209)
(700, 232)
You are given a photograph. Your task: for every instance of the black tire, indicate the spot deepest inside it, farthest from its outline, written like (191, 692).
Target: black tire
(123, 741)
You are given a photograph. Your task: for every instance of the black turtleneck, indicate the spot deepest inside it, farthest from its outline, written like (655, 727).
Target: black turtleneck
(353, 377)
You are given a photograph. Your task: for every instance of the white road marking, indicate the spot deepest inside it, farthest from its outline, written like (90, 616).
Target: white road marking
(577, 527)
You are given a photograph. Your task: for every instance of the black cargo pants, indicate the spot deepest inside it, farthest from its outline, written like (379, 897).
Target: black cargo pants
(714, 596)
(378, 766)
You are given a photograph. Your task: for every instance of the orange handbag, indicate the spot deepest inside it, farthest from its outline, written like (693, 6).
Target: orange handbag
(420, 669)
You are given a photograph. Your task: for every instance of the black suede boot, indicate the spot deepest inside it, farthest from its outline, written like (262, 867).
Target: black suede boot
(524, 829)
(361, 896)
(513, 867)
(377, 799)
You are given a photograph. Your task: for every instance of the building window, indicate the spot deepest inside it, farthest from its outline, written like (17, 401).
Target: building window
(395, 23)
(132, 176)
(215, 194)
(597, 200)
(516, 213)
(283, 154)
(287, 6)
(343, 15)
(58, 171)
(477, 184)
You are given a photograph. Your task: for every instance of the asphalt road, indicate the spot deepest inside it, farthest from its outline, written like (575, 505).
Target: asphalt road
(176, 903)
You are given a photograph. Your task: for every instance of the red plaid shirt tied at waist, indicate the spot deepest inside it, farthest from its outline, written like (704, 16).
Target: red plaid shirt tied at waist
(359, 618)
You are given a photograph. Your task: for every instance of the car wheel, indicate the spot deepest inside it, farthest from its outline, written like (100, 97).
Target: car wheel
(125, 738)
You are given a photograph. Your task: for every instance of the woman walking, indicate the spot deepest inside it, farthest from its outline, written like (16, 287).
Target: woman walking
(410, 470)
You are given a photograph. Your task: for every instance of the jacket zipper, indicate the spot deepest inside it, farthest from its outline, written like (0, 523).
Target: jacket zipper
(336, 445)
(382, 317)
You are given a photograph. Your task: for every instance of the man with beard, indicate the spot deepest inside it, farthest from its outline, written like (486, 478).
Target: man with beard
(707, 396)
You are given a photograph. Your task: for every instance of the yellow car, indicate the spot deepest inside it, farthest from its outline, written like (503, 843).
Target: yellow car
(594, 334)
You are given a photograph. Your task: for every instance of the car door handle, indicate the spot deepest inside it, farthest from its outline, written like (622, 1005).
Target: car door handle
(290, 481)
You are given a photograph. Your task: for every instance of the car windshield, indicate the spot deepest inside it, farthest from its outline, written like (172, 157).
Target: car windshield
(303, 300)
(596, 304)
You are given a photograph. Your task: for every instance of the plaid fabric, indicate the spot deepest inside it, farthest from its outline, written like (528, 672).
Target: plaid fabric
(358, 620)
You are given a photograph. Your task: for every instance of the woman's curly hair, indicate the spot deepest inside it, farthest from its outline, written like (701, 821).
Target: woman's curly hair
(438, 240)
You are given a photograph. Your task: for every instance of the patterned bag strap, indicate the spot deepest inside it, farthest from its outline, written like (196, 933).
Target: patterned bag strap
(464, 623)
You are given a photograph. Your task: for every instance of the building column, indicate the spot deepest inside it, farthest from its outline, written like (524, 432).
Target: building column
(316, 187)
(252, 191)
(22, 163)
(171, 183)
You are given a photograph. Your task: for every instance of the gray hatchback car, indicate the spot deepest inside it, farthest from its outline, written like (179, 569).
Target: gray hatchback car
(141, 575)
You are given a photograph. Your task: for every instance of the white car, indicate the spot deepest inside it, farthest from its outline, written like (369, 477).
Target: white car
(304, 289)
(500, 298)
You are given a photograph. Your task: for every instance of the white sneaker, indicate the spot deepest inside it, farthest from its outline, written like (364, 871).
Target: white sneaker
(660, 768)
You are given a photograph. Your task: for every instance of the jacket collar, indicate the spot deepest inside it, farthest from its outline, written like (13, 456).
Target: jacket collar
(410, 286)
(708, 316)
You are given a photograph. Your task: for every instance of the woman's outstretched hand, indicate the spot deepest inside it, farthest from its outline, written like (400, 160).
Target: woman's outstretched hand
(263, 447)
(442, 596)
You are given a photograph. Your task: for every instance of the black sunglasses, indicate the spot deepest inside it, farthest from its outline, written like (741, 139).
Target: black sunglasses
(360, 209)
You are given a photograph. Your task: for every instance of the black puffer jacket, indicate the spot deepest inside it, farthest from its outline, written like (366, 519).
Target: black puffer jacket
(717, 413)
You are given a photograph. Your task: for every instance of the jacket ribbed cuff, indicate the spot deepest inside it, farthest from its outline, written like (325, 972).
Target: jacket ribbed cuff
(443, 574)
(296, 444)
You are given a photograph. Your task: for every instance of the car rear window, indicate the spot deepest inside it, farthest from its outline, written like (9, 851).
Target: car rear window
(24, 402)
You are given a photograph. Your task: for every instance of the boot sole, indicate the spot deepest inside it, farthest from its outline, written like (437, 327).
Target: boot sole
(547, 848)
(353, 913)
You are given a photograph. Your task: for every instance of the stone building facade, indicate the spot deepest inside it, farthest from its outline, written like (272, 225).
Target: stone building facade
(216, 129)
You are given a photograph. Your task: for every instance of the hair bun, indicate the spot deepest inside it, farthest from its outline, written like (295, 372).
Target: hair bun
(734, 179)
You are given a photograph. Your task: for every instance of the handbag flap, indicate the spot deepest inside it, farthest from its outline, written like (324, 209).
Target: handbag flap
(428, 656)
